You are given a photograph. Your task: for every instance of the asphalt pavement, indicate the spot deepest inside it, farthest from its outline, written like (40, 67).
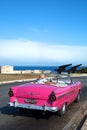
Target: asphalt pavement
(11, 119)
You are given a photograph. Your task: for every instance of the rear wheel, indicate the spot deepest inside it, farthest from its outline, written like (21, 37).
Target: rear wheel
(78, 97)
(62, 111)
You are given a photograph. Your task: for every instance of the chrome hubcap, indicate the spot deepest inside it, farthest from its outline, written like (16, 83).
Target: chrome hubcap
(64, 108)
(78, 96)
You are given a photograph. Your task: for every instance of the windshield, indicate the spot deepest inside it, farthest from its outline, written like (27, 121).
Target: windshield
(61, 80)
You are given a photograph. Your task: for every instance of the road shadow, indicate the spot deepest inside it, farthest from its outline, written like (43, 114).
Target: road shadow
(81, 123)
(27, 113)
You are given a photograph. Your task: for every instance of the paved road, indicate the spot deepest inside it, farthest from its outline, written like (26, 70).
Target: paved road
(11, 119)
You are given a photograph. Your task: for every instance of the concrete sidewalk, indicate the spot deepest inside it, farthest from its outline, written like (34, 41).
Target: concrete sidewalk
(84, 127)
(78, 122)
(13, 81)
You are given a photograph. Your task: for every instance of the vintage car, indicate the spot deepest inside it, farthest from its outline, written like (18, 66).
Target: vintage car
(53, 97)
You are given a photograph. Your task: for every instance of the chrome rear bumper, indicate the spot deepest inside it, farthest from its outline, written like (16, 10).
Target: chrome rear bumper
(33, 107)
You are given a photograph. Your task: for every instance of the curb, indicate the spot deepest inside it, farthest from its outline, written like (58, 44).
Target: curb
(84, 127)
(76, 119)
(13, 81)
(83, 124)
(71, 122)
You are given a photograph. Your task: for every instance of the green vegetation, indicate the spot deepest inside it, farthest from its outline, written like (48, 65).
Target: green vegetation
(84, 70)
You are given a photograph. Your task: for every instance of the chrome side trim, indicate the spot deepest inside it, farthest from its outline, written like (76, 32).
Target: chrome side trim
(33, 107)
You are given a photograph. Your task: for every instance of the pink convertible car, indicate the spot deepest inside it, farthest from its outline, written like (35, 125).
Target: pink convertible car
(53, 97)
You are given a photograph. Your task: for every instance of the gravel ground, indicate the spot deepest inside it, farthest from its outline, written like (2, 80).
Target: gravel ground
(9, 77)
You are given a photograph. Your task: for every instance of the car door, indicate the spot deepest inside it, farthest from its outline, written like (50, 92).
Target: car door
(74, 91)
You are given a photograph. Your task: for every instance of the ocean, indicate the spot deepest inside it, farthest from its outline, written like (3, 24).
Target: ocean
(51, 68)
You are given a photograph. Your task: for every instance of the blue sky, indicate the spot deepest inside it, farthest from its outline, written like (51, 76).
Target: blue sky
(43, 32)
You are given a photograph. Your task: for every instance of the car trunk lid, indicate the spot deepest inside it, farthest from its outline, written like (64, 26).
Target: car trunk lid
(34, 91)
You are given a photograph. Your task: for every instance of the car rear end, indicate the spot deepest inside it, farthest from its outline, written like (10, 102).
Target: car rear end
(33, 96)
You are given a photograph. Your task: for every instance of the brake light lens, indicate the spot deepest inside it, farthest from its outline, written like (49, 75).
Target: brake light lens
(10, 93)
(52, 97)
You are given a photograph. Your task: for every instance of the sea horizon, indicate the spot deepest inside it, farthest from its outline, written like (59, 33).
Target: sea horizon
(51, 68)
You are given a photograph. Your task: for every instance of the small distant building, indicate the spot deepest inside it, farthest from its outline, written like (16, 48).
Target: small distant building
(7, 69)
(37, 71)
(27, 72)
(17, 72)
(46, 71)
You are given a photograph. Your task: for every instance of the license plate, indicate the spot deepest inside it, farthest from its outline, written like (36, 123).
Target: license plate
(32, 101)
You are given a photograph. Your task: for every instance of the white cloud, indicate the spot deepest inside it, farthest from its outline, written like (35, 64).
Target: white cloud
(30, 51)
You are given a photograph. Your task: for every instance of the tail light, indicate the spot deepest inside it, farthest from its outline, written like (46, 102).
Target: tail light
(10, 93)
(52, 97)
